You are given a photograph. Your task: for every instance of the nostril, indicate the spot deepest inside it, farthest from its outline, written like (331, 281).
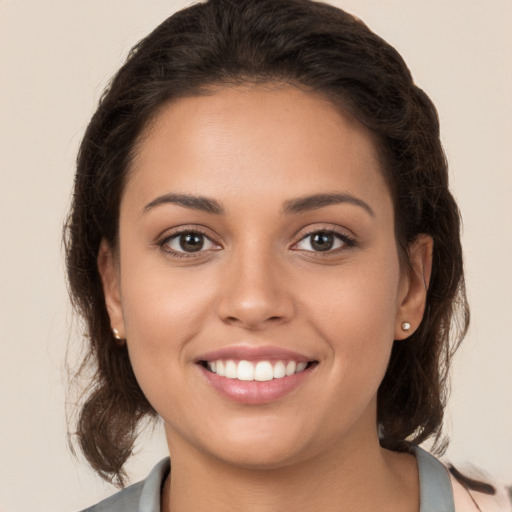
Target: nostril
(251, 323)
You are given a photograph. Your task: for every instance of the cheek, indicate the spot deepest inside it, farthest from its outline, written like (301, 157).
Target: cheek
(354, 313)
(163, 309)
(359, 297)
(162, 315)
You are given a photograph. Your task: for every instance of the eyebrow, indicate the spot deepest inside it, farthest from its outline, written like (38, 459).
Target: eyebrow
(290, 207)
(315, 201)
(203, 204)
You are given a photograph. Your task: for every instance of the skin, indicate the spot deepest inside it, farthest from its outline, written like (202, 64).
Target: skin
(258, 281)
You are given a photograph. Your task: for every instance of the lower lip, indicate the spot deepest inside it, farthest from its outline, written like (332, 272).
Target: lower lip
(255, 392)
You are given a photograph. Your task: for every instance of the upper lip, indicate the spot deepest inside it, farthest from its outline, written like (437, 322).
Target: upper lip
(253, 353)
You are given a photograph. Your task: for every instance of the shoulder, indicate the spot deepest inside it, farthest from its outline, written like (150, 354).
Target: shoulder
(144, 495)
(467, 500)
(445, 488)
(126, 500)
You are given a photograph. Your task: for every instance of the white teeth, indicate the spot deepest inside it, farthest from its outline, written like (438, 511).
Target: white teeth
(301, 367)
(290, 368)
(260, 371)
(245, 370)
(279, 370)
(220, 368)
(263, 371)
(231, 370)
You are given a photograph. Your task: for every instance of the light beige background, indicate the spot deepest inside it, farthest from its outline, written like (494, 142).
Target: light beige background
(55, 58)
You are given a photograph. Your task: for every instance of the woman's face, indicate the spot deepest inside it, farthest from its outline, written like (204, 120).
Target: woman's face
(256, 238)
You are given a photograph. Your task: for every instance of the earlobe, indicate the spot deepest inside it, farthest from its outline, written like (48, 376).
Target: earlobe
(108, 267)
(414, 296)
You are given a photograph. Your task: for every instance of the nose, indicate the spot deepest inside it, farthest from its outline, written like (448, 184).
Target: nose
(254, 292)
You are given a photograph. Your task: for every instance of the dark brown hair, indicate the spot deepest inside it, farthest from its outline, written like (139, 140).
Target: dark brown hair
(321, 49)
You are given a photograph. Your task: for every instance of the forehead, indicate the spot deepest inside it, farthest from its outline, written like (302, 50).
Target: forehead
(269, 140)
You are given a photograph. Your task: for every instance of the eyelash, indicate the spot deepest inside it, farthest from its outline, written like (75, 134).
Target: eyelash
(347, 241)
(182, 254)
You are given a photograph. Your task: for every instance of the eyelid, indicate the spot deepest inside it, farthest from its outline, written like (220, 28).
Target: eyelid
(164, 240)
(348, 240)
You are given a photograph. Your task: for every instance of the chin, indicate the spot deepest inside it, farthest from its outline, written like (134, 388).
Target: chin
(255, 456)
(269, 443)
(246, 443)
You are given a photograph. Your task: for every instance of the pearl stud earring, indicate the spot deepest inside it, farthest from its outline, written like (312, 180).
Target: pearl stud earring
(115, 333)
(406, 326)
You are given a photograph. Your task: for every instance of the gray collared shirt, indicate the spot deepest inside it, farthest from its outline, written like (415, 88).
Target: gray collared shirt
(436, 493)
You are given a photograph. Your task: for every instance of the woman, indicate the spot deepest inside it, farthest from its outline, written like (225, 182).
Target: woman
(267, 255)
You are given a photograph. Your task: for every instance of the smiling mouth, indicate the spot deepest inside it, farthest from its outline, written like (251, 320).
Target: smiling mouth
(260, 371)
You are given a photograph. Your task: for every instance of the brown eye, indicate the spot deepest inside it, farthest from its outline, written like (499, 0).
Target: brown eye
(191, 242)
(188, 242)
(323, 241)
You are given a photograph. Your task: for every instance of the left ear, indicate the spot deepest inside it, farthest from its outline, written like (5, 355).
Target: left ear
(414, 286)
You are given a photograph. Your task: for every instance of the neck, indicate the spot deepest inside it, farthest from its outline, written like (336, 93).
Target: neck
(351, 477)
